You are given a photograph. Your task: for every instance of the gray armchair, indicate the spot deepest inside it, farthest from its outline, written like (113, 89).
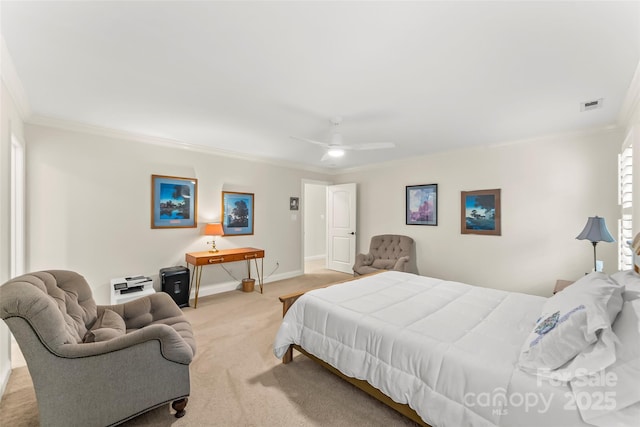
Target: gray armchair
(387, 252)
(97, 365)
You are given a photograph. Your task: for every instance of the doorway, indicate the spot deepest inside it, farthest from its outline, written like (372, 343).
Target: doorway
(314, 226)
(328, 226)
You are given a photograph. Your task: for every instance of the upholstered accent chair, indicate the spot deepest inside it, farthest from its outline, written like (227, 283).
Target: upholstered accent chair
(387, 252)
(97, 365)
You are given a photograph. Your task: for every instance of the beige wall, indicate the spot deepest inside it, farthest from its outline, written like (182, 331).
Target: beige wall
(89, 208)
(88, 199)
(549, 189)
(10, 123)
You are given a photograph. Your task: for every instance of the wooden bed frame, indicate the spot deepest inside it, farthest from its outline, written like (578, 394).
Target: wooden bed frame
(404, 409)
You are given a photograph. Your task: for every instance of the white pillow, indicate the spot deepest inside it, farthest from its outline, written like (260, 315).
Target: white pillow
(631, 282)
(618, 384)
(570, 323)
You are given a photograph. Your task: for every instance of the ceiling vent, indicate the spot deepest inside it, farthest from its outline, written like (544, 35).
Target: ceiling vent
(591, 105)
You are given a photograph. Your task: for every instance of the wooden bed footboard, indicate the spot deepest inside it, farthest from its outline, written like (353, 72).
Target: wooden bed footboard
(287, 301)
(404, 409)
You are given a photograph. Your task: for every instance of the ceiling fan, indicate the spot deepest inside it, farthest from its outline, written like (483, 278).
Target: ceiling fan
(335, 147)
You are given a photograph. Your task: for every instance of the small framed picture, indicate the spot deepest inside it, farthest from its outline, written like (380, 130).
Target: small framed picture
(174, 202)
(480, 212)
(422, 204)
(237, 213)
(294, 202)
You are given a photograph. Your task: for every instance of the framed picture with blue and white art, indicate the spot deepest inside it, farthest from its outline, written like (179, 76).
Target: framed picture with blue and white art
(480, 212)
(174, 202)
(422, 204)
(237, 213)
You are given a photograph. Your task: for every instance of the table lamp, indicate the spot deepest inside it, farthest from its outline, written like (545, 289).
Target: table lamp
(595, 231)
(214, 229)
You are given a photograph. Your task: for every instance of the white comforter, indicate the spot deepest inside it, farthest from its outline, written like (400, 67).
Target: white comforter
(447, 349)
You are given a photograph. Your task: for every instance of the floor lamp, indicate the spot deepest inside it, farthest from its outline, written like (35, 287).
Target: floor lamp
(595, 231)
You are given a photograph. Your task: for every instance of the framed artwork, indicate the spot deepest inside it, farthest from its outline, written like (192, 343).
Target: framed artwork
(174, 202)
(237, 213)
(294, 202)
(422, 204)
(480, 212)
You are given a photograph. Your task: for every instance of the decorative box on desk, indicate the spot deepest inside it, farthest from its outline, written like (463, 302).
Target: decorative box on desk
(125, 289)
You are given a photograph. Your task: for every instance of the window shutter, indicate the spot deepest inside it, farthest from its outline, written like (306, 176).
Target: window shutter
(625, 224)
(625, 178)
(625, 255)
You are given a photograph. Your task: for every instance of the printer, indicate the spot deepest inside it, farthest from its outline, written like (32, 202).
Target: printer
(125, 289)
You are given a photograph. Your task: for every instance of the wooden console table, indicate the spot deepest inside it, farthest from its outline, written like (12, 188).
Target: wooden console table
(200, 259)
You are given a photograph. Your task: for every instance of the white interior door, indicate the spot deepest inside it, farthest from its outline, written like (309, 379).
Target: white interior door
(341, 227)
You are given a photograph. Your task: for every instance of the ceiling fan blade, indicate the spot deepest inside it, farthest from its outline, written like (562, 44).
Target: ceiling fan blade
(322, 144)
(369, 146)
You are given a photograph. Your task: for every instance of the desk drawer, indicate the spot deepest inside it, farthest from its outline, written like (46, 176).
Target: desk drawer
(222, 258)
(216, 259)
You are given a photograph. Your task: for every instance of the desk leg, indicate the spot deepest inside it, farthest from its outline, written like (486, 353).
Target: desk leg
(192, 284)
(260, 273)
(197, 273)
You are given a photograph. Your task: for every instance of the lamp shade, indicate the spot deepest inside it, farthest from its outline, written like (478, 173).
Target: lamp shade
(214, 229)
(596, 231)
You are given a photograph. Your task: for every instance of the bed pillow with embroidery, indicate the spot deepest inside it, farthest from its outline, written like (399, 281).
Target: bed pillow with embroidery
(573, 321)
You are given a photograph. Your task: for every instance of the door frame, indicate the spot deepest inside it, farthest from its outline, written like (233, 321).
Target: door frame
(302, 205)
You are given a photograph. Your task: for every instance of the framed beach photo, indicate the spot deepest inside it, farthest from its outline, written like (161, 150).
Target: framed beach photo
(422, 204)
(237, 213)
(480, 212)
(174, 202)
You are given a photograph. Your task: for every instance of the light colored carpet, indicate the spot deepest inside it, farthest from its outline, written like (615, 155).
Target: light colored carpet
(235, 378)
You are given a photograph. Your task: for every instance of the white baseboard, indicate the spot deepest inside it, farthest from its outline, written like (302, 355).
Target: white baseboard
(4, 379)
(217, 288)
(314, 257)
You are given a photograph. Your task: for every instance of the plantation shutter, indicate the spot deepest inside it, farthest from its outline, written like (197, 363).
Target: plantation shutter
(625, 229)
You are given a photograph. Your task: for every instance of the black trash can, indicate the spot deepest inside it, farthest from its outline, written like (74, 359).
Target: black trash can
(175, 282)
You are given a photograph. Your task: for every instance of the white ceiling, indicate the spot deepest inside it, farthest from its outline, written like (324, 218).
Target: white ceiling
(245, 76)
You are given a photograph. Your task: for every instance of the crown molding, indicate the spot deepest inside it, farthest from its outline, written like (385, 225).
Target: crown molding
(602, 130)
(631, 105)
(605, 130)
(79, 127)
(12, 82)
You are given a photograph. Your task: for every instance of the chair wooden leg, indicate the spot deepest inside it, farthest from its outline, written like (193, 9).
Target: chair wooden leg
(179, 405)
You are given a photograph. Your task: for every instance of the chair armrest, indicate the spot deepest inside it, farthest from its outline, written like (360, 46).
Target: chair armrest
(172, 346)
(363, 260)
(401, 263)
(154, 309)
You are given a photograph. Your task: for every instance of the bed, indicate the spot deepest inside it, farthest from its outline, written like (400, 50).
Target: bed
(451, 354)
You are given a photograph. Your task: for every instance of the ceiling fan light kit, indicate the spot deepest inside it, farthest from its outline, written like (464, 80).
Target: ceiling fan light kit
(335, 152)
(336, 148)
